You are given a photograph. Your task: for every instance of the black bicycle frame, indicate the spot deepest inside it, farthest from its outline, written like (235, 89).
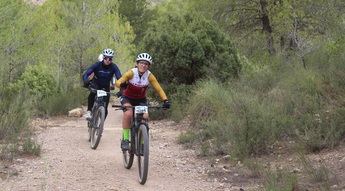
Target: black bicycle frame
(136, 122)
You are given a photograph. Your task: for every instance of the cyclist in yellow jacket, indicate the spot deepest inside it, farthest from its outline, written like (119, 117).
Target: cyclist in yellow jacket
(135, 83)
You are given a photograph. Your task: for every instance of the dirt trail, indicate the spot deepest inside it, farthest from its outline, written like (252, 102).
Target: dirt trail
(68, 163)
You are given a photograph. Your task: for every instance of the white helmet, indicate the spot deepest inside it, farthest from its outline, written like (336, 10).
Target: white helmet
(144, 56)
(108, 52)
(100, 57)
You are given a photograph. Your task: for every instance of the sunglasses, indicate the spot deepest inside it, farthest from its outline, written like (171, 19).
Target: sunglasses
(144, 63)
(109, 58)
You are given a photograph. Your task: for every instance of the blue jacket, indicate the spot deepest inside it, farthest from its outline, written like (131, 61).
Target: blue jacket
(103, 74)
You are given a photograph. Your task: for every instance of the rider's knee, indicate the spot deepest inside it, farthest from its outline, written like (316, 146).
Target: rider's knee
(127, 114)
(146, 116)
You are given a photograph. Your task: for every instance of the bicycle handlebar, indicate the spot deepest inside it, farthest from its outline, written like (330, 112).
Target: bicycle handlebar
(123, 107)
(117, 94)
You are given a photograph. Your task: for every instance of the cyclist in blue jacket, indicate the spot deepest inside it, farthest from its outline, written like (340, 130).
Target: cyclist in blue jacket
(99, 76)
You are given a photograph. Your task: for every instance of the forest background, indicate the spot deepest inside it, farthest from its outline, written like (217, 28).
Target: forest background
(247, 74)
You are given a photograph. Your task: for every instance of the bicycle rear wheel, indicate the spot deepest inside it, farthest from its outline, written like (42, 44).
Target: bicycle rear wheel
(128, 155)
(97, 129)
(143, 153)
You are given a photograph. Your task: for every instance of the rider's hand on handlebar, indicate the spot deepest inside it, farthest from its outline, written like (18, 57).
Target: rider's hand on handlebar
(90, 77)
(119, 94)
(166, 104)
(123, 85)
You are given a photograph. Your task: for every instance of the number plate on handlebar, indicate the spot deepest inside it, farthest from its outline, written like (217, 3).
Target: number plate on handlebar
(141, 109)
(101, 93)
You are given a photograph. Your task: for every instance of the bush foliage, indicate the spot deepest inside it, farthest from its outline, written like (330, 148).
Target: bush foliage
(246, 116)
(44, 50)
(239, 104)
(187, 47)
(38, 79)
(231, 121)
(14, 121)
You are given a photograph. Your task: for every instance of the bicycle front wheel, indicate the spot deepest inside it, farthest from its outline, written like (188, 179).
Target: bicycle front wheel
(97, 128)
(89, 128)
(128, 155)
(143, 153)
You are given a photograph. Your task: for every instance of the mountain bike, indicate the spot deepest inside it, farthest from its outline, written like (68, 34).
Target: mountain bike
(96, 123)
(139, 140)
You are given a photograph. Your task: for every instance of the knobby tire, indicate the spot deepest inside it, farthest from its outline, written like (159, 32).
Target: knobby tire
(143, 157)
(97, 130)
(128, 156)
(89, 127)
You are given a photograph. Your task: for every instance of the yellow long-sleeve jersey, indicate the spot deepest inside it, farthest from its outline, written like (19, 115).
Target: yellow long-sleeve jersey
(138, 84)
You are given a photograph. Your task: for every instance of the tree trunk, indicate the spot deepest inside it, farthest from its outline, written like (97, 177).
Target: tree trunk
(282, 42)
(303, 62)
(266, 26)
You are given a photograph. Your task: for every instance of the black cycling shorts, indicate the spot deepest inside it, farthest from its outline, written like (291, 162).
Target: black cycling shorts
(133, 102)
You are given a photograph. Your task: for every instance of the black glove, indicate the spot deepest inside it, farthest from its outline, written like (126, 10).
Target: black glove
(123, 85)
(93, 85)
(166, 104)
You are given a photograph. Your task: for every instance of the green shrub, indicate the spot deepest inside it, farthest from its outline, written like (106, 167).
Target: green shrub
(31, 147)
(256, 169)
(179, 95)
(280, 181)
(38, 79)
(261, 75)
(209, 99)
(255, 125)
(49, 97)
(15, 112)
(275, 97)
(319, 174)
(158, 114)
(187, 47)
(314, 104)
(62, 102)
(186, 137)
(227, 120)
(246, 116)
(325, 130)
(207, 104)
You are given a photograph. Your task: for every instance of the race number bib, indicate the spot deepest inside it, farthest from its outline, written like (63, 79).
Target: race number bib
(101, 93)
(141, 109)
